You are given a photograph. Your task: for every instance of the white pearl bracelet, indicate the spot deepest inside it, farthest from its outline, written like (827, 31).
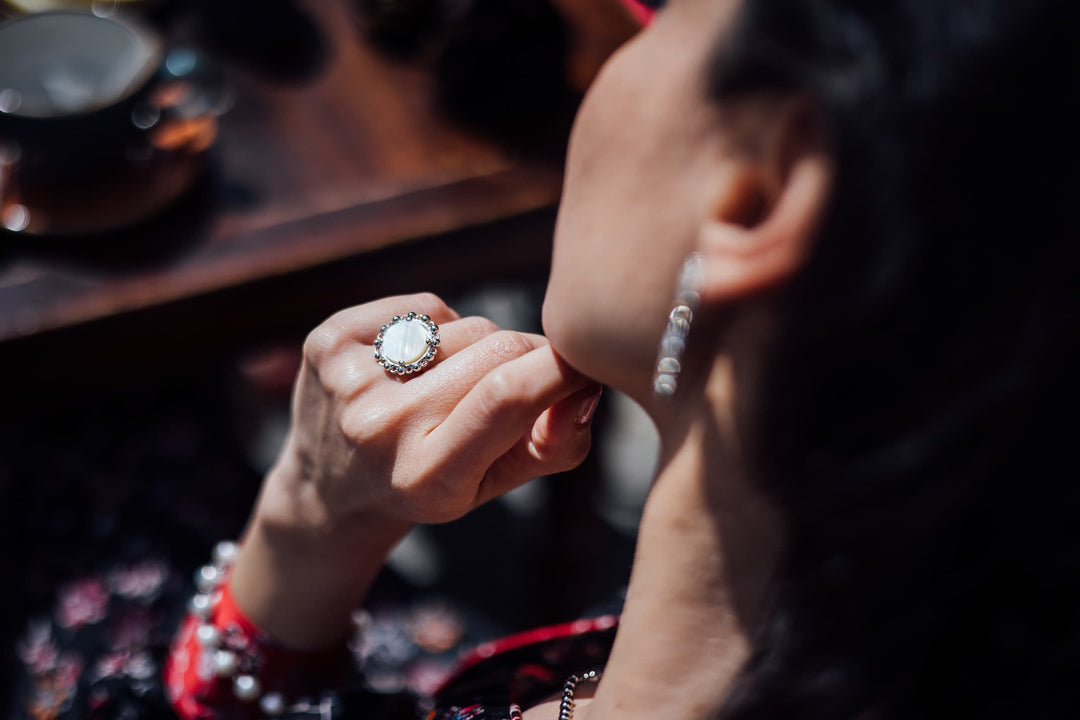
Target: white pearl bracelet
(232, 657)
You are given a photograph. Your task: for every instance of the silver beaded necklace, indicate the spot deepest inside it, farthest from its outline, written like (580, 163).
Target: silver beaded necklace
(566, 707)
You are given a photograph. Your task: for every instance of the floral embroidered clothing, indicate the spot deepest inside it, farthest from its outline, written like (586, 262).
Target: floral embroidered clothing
(123, 645)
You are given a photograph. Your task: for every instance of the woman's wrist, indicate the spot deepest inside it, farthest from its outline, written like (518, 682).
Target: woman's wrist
(300, 573)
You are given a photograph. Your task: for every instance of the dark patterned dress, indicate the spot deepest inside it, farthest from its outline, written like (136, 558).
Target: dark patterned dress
(105, 524)
(102, 655)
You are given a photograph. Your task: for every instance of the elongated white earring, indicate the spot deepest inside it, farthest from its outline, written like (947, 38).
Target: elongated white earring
(669, 358)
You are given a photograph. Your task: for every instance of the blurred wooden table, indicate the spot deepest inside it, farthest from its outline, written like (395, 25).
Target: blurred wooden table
(322, 195)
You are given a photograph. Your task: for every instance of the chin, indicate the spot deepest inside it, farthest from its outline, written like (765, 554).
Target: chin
(581, 345)
(554, 321)
(565, 330)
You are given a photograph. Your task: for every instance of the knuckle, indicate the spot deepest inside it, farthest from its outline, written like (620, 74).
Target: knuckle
(427, 303)
(428, 500)
(354, 427)
(502, 386)
(363, 423)
(357, 372)
(478, 326)
(507, 345)
(320, 343)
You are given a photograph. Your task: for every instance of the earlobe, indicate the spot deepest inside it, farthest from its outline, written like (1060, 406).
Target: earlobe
(765, 216)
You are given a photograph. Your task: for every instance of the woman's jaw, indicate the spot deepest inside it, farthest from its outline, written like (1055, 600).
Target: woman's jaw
(641, 176)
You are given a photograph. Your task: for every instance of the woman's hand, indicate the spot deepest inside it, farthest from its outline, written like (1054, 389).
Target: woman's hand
(369, 454)
(495, 409)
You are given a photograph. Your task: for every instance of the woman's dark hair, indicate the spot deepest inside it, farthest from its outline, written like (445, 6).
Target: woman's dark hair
(918, 425)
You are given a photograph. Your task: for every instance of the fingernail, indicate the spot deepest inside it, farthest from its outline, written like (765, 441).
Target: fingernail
(588, 407)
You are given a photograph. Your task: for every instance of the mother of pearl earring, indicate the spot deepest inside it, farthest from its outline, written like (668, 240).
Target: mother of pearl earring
(669, 358)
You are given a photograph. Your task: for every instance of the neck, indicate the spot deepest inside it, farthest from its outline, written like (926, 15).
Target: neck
(706, 547)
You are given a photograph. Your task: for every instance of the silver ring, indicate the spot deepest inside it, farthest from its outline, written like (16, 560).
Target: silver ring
(407, 344)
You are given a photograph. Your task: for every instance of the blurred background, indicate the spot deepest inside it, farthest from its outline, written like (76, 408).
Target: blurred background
(187, 187)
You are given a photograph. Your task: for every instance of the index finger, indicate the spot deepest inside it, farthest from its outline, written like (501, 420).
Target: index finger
(495, 413)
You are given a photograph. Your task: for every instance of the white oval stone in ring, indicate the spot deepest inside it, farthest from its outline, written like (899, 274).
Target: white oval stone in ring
(406, 341)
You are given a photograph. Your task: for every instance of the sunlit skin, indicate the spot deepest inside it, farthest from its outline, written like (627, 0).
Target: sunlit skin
(655, 170)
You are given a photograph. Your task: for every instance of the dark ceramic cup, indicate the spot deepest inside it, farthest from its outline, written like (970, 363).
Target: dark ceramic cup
(84, 104)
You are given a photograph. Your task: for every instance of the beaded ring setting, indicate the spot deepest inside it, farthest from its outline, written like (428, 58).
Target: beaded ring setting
(407, 344)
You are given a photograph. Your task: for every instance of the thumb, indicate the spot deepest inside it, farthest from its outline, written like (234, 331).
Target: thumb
(558, 441)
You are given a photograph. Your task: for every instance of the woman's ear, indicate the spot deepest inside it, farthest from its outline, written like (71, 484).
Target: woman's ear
(767, 202)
